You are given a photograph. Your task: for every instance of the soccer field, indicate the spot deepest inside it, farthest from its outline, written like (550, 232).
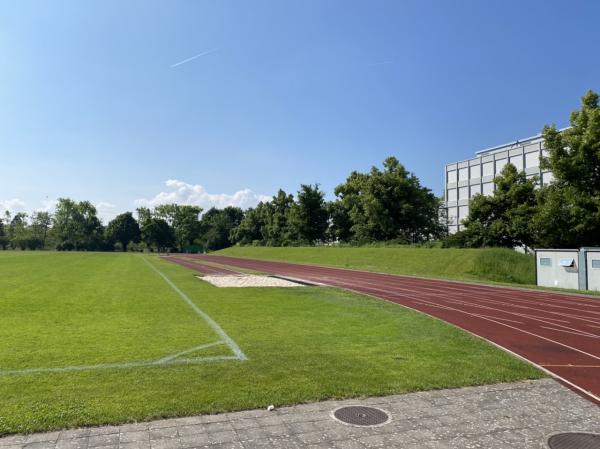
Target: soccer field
(92, 338)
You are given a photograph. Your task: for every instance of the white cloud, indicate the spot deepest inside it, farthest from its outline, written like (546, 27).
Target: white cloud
(196, 195)
(13, 205)
(106, 211)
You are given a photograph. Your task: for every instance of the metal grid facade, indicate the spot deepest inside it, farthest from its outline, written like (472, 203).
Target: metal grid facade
(465, 179)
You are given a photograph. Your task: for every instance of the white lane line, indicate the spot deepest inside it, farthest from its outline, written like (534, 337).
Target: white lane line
(581, 334)
(65, 369)
(499, 346)
(467, 304)
(212, 323)
(570, 366)
(520, 330)
(197, 348)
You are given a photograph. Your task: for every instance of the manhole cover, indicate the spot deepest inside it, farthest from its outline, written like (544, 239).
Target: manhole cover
(358, 415)
(574, 440)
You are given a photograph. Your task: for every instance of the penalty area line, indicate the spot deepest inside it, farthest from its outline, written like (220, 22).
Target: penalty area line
(212, 323)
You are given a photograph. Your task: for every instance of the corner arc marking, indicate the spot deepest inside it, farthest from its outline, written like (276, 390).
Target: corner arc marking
(212, 323)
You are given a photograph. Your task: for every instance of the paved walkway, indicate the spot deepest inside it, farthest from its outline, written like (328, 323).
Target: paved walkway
(518, 415)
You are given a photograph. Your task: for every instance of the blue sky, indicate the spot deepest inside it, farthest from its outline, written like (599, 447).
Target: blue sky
(289, 92)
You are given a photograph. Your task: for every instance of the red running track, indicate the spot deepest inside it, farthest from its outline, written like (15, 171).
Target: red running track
(556, 331)
(196, 265)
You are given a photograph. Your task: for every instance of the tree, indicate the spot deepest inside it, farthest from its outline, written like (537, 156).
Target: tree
(390, 204)
(504, 218)
(156, 233)
(3, 238)
(124, 229)
(340, 224)
(40, 224)
(276, 216)
(77, 226)
(18, 232)
(569, 212)
(184, 220)
(217, 227)
(308, 217)
(251, 228)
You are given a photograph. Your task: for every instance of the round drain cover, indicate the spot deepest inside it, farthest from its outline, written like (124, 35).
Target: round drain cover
(358, 415)
(574, 440)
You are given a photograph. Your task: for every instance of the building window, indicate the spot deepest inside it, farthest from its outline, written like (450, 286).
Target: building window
(517, 161)
(532, 159)
(451, 194)
(463, 193)
(475, 190)
(488, 188)
(545, 262)
(475, 171)
(452, 176)
(452, 215)
(547, 178)
(463, 174)
(488, 169)
(500, 163)
(463, 212)
(595, 263)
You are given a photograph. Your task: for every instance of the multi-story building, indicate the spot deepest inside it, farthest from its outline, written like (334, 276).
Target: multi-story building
(467, 178)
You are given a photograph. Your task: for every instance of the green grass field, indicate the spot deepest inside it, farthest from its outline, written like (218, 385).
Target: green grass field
(488, 265)
(92, 338)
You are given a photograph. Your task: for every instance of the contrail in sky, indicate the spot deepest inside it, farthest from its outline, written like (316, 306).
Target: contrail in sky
(194, 57)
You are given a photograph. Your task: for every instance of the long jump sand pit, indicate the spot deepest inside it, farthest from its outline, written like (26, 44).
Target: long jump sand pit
(249, 280)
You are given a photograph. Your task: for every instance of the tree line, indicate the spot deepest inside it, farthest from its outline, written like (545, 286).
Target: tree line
(563, 214)
(385, 204)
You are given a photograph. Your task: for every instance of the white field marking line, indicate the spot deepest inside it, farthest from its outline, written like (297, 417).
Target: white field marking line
(197, 348)
(582, 334)
(101, 366)
(521, 330)
(497, 345)
(212, 323)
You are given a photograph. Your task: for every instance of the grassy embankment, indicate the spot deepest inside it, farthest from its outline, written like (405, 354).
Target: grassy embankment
(484, 265)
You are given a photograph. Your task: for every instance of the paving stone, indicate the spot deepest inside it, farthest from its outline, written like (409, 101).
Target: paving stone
(39, 437)
(74, 443)
(172, 443)
(197, 440)
(520, 415)
(166, 433)
(246, 423)
(103, 430)
(13, 440)
(110, 439)
(135, 445)
(129, 437)
(74, 433)
(40, 445)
